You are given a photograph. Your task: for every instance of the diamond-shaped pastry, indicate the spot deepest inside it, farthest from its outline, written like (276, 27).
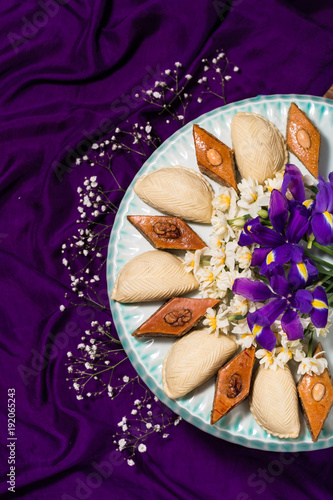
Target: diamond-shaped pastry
(169, 233)
(316, 395)
(215, 159)
(175, 318)
(233, 383)
(303, 138)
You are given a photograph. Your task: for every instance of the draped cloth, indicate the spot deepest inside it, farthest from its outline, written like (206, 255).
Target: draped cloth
(70, 71)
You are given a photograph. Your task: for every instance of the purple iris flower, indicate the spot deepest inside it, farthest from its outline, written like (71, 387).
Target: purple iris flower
(314, 303)
(290, 221)
(261, 320)
(293, 181)
(322, 215)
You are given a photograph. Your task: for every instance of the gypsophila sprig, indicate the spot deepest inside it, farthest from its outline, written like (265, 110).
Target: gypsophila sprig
(170, 94)
(148, 416)
(92, 371)
(216, 72)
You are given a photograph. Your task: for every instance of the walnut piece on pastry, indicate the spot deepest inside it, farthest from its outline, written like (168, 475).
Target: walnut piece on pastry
(153, 275)
(178, 191)
(176, 317)
(167, 233)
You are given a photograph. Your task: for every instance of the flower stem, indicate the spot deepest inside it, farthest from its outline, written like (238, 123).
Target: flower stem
(324, 249)
(310, 346)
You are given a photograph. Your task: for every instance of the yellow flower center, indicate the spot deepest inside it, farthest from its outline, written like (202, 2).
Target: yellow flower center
(225, 199)
(213, 322)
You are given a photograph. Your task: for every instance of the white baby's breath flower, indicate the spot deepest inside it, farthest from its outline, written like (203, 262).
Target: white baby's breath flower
(122, 444)
(142, 448)
(130, 462)
(311, 365)
(252, 196)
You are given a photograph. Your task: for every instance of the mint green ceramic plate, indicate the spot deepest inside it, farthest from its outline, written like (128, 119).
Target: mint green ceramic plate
(125, 243)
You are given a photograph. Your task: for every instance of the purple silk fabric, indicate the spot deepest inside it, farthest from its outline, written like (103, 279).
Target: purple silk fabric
(69, 72)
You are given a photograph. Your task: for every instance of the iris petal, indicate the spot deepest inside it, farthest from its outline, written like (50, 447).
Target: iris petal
(303, 301)
(278, 256)
(298, 223)
(293, 181)
(256, 291)
(278, 211)
(272, 310)
(319, 317)
(280, 285)
(266, 237)
(292, 325)
(322, 228)
(259, 255)
(266, 338)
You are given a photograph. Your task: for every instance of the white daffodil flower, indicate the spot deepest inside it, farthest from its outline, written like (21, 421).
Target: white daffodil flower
(311, 365)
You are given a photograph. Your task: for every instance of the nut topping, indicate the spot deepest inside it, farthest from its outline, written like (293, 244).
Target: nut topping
(303, 138)
(178, 318)
(166, 230)
(214, 157)
(235, 386)
(318, 391)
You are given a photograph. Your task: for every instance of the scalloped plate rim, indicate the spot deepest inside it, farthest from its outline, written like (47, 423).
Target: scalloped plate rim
(270, 443)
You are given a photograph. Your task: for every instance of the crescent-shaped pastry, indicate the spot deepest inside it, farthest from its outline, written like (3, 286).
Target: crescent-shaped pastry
(194, 359)
(153, 275)
(260, 148)
(177, 191)
(274, 403)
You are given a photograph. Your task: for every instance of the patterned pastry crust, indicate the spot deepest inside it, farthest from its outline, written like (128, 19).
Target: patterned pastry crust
(260, 148)
(175, 318)
(153, 275)
(303, 138)
(194, 359)
(178, 191)
(168, 233)
(233, 384)
(215, 159)
(316, 396)
(274, 402)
